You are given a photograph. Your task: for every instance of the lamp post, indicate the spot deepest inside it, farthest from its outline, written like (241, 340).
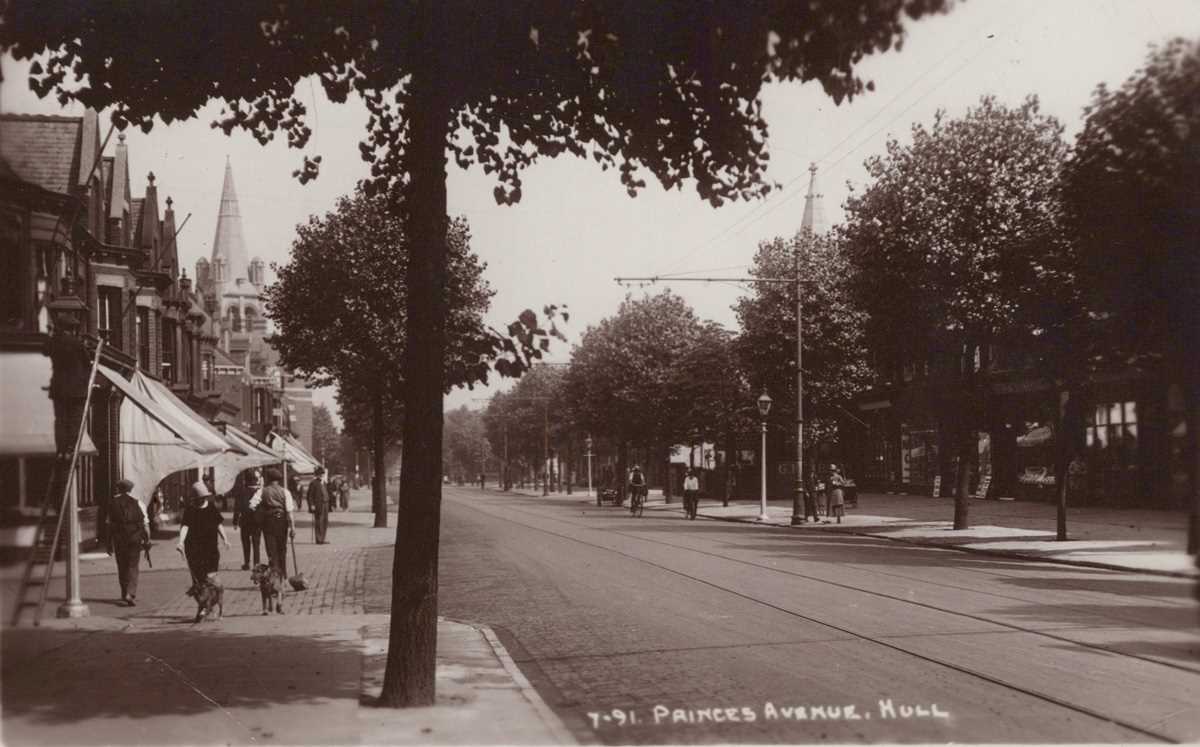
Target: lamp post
(588, 445)
(764, 407)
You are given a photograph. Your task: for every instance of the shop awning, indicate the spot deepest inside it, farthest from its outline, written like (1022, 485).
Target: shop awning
(254, 453)
(1037, 436)
(298, 458)
(157, 436)
(26, 412)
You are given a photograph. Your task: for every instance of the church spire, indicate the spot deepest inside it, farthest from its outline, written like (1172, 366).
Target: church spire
(814, 213)
(229, 245)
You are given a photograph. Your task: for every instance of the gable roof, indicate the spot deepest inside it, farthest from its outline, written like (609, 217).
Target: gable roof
(42, 149)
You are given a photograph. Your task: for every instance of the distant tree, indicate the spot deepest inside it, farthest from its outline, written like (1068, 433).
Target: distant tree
(527, 422)
(326, 440)
(339, 310)
(949, 246)
(835, 353)
(620, 381)
(464, 446)
(667, 87)
(710, 390)
(1132, 191)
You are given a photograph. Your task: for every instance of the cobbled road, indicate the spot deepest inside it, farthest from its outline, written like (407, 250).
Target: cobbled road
(663, 630)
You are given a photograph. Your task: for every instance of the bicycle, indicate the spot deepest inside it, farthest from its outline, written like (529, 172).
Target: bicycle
(637, 500)
(691, 503)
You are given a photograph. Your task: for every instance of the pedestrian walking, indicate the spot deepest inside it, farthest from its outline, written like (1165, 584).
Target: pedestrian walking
(198, 535)
(835, 499)
(155, 510)
(318, 504)
(275, 507)
(811, 488)
(691, 493)
(344, 494)
(128, 535)
(245, 519)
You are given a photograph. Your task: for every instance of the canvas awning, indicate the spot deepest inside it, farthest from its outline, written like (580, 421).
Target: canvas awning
(254, 453)
(1037, 436)
(156, 435)
(298, 458)
(27, 423)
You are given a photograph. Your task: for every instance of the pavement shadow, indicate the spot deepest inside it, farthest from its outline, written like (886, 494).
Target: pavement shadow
(173, 670)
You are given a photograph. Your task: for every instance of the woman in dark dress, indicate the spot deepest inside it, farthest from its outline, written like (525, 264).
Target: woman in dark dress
(199, 533)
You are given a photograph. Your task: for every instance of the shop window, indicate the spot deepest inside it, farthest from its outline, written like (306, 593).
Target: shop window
(1113, 429)
(1111, 437)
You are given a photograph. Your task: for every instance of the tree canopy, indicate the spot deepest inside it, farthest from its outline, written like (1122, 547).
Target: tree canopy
(632, 86)
(835, 354)
(1132, 190)
(955, 246)
(339, 303)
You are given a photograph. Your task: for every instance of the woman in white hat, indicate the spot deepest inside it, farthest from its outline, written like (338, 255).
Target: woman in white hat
(199, 533)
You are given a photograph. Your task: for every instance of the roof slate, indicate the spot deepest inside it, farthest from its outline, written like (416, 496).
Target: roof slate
(42, 149)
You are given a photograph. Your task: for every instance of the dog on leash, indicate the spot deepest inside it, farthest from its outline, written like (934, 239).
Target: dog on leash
(270, 586)
(209, 596)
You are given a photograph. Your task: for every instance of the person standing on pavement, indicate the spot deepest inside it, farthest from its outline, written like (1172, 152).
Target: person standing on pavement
(128, 535)
(691, 493)
(835, 499)
(318, 504)
(344, 494)
(275, 510)
(245, 519)
(198, 535)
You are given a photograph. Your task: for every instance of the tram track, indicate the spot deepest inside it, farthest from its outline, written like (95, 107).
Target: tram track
(881, 641)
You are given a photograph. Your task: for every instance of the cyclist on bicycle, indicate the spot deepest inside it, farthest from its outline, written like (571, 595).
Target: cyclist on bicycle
(637, 486)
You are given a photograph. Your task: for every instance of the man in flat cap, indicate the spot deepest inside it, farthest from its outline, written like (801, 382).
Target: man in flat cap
(128, 533)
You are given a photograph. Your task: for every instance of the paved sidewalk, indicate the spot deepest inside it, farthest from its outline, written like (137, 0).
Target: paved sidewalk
(1135, 540)
(1148, 541)
(147, 675)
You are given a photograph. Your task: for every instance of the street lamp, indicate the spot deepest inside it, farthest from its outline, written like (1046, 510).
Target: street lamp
(764, 407)
(587, 442)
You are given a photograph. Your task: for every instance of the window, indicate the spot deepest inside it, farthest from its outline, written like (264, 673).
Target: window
(108, 315)
(1113, 427)
(207, 374)
(143, 338)
(169, 369)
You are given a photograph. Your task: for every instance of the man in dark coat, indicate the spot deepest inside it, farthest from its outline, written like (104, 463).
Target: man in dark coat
(245, 519)
(318, 503)
(128, 535)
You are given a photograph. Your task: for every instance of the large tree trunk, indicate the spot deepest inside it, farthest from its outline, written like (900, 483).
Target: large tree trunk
(379, 476)
(412, 644)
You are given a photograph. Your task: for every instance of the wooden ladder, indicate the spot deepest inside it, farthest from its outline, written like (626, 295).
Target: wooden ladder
(45, 546)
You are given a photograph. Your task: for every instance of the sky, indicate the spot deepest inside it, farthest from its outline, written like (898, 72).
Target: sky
(576, 229)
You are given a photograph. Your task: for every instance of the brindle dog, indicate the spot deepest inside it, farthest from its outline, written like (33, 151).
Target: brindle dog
(270, 585)
(209, 595)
